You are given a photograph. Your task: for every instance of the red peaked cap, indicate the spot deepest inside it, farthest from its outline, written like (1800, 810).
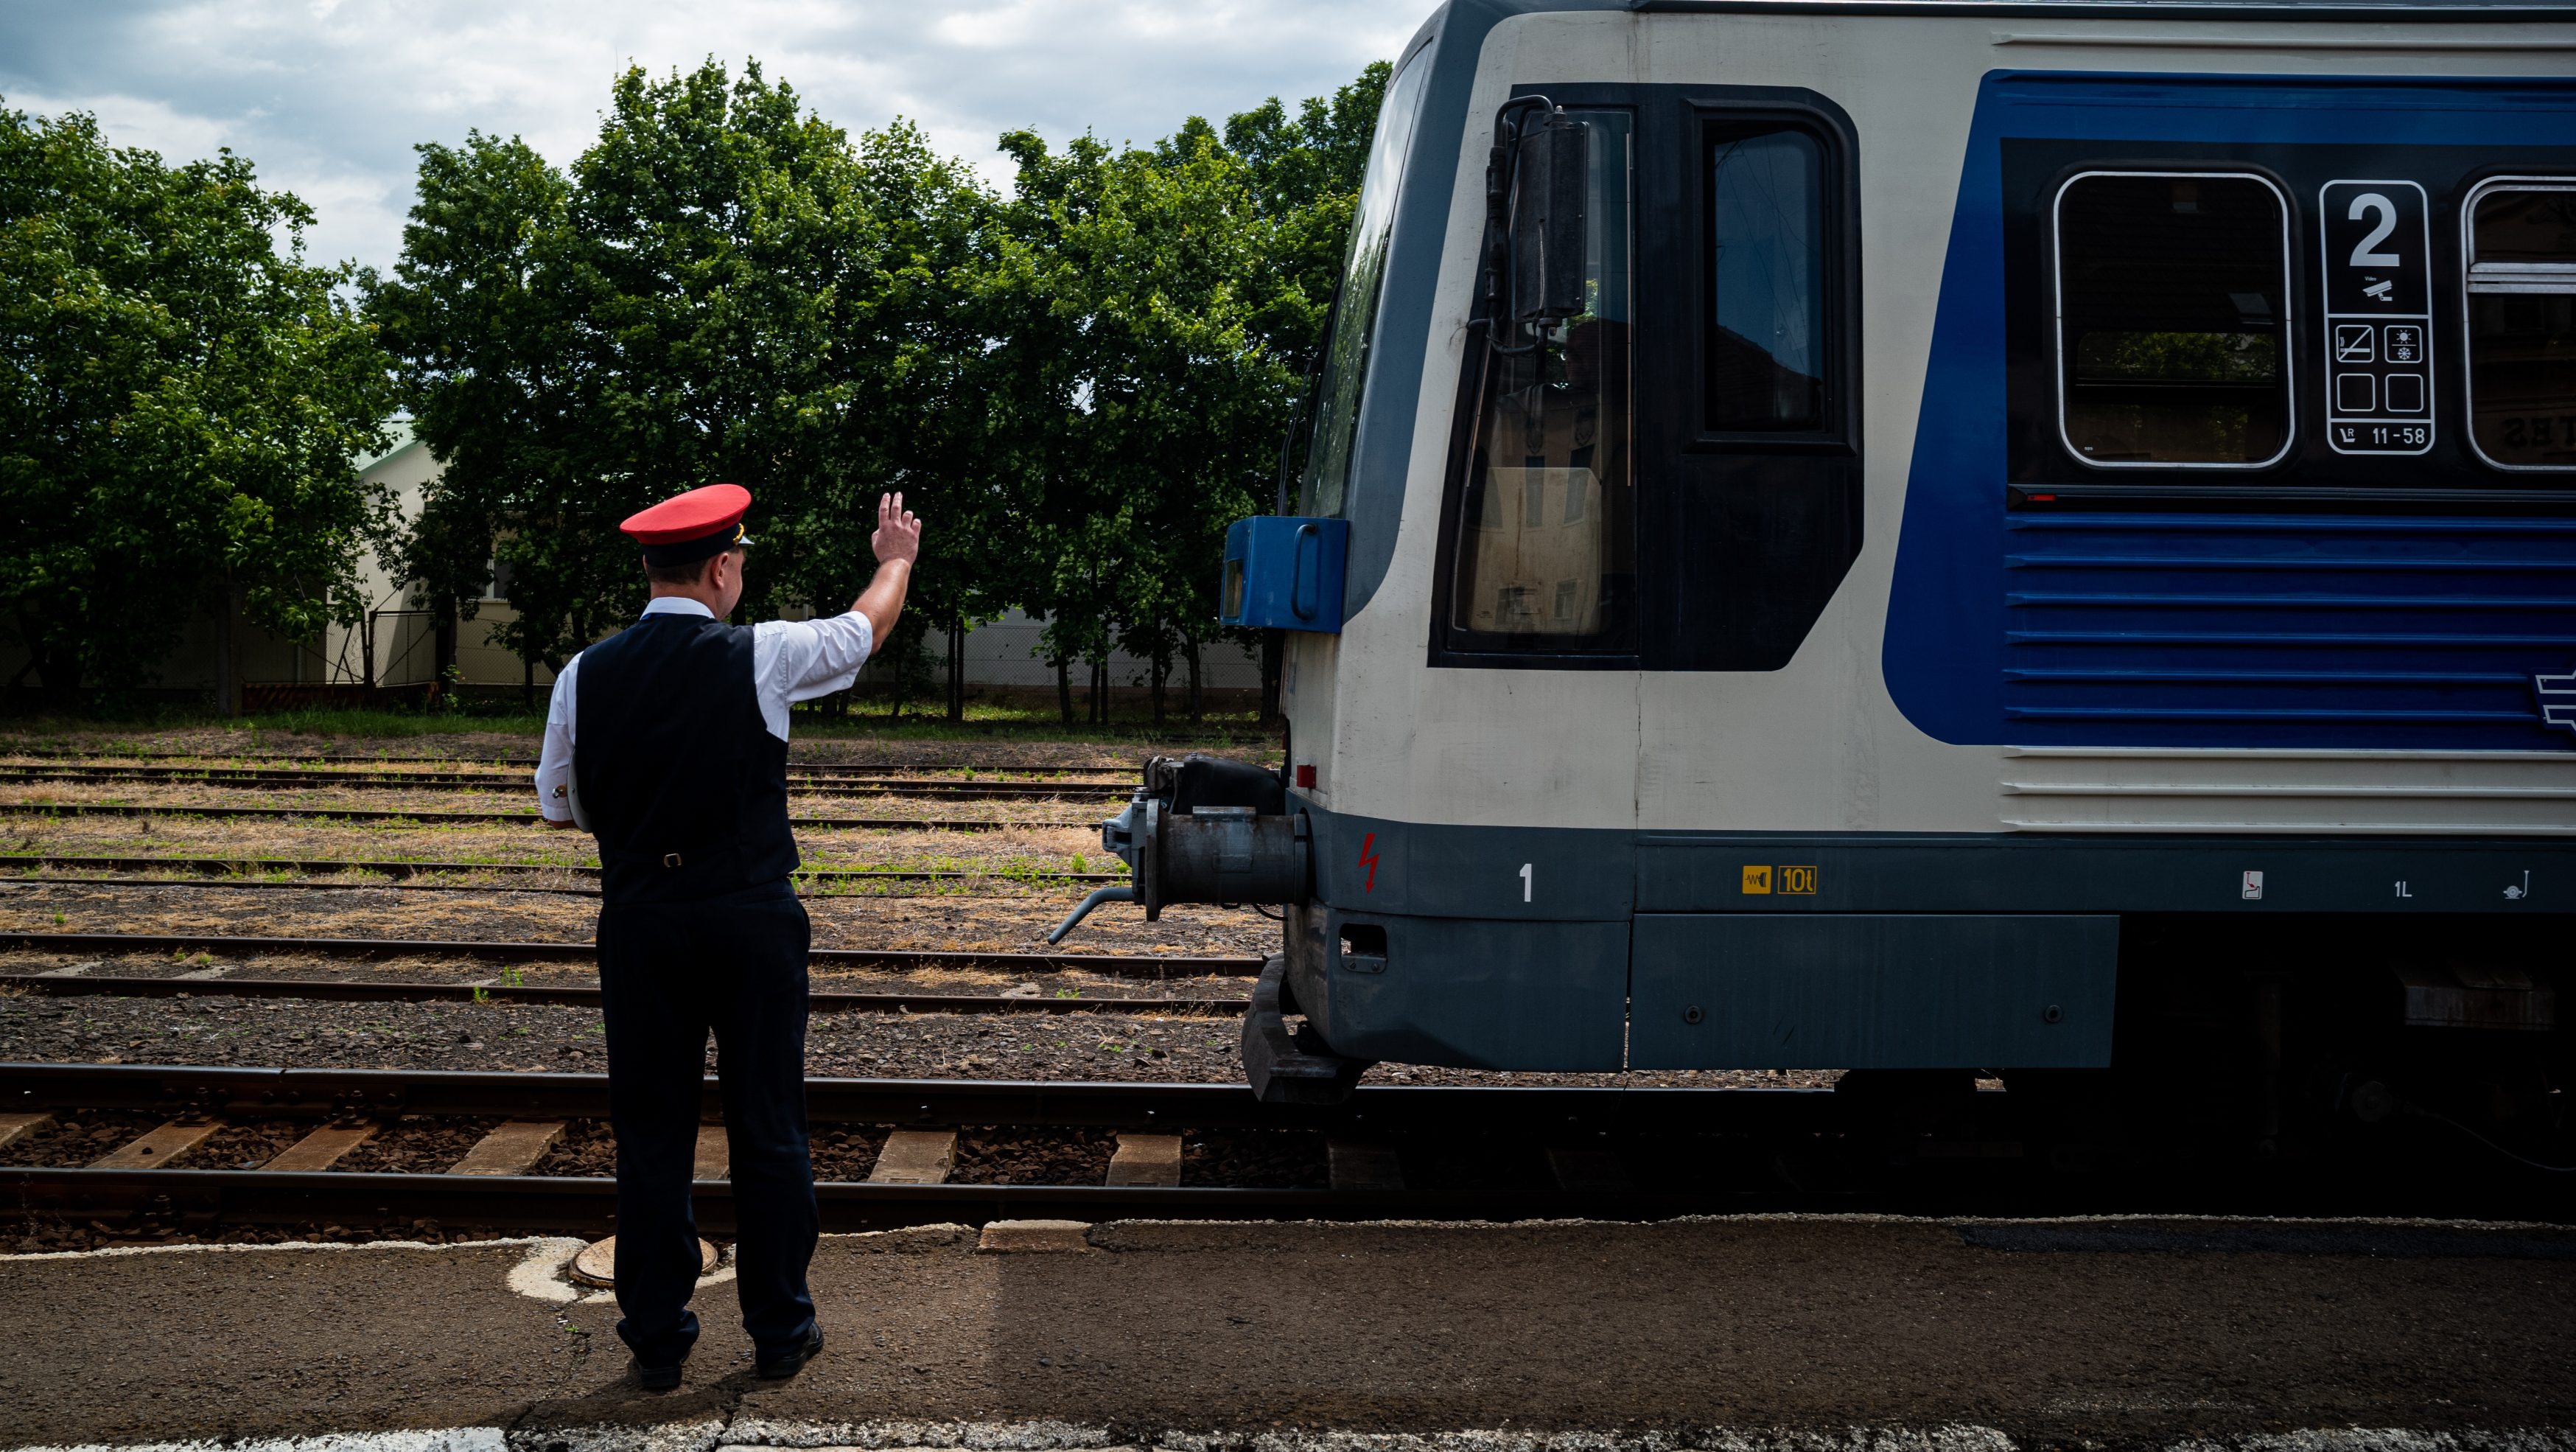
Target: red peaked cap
(686, 528)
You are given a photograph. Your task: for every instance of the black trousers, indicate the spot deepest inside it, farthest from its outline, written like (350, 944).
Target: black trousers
(668, 974)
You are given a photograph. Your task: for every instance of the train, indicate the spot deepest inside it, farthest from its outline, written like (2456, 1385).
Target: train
(1942, 540)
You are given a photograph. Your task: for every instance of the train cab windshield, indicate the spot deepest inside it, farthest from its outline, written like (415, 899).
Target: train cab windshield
(1346, 357)
(1546, 553)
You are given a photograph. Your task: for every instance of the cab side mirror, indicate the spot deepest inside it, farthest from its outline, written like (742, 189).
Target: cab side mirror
(1550, 167)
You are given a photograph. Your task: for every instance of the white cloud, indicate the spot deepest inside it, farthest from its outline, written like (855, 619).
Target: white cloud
(140, 121)
(329, 96)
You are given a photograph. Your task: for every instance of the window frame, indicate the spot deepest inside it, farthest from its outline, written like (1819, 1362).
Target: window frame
(1838, 194)
(2055, 253)
(2565, 182)
(1714, 593)
(1475, 378)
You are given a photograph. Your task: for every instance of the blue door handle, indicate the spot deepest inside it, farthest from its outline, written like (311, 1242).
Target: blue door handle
(1297, 569)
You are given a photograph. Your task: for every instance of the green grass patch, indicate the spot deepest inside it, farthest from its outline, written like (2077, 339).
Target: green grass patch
(343, 723)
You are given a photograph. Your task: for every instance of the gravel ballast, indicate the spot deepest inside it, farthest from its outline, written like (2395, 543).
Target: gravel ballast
(500, 1037)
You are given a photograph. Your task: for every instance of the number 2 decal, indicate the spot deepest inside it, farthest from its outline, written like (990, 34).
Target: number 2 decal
(2362, 256)
(1526, 880)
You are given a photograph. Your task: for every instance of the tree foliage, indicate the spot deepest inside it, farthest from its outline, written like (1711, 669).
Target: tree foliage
(1078, 385)
(184, 406)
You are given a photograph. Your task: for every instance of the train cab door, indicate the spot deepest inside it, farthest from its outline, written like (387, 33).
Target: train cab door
(1667, 484)
(1748, 367)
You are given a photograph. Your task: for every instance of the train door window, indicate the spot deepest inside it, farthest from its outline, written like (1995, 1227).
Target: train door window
(1763, 354)
(1545, 555)
(2173, 318)
(2521, 252)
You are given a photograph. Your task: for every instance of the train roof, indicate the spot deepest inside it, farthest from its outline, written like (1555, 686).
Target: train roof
(2144, 10)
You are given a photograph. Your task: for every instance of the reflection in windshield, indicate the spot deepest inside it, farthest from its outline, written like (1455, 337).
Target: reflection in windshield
(1546, 552)
(1328, 462)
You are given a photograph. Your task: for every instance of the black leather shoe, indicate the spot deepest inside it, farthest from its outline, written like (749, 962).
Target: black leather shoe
(658, 1378)
(788, 1363)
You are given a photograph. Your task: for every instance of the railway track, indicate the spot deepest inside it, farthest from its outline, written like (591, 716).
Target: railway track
(482, 1150)
(507, 817)
(1362, 1175)
(324, 866)
(290, 884)
(822, 1000)
(498, 763)
(804, 783)
(1119, 965)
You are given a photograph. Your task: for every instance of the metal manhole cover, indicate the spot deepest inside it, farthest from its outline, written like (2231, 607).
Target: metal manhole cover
(596, 1265)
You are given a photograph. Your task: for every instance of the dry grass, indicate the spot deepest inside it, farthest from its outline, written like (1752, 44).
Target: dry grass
(1018, 853)
(470, 972)
(1009, 891)
(35, 797)
(983, 920)
(467, 743)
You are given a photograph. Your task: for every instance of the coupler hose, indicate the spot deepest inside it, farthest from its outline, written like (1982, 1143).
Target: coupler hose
(1099, 895)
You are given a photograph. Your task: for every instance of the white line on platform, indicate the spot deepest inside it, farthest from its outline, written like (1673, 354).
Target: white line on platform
(448, 1439)
(229, 1246)
(539, 1273)
(713, 1435)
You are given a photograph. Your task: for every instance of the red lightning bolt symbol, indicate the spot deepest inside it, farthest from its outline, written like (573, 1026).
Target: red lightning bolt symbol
(1368, 859)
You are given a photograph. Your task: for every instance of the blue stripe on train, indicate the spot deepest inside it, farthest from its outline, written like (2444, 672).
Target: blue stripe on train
(2203, 629)
(2274, 624)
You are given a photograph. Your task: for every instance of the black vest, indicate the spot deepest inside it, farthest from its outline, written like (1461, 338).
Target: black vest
(684, 785)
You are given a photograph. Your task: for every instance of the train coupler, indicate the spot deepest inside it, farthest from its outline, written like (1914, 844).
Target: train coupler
(1204, 830)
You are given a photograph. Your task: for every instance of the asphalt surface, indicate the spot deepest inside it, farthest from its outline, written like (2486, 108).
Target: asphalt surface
(2091, 1334)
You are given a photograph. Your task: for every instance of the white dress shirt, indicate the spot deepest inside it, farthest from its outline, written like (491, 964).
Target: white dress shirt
(791, 661)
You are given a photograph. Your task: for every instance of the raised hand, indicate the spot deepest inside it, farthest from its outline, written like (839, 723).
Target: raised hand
(898, 534)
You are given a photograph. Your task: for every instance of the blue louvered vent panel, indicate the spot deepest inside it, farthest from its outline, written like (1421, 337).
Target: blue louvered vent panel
(2256, 630)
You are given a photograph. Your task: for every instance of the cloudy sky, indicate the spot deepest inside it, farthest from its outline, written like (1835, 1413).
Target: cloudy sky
(329, 96)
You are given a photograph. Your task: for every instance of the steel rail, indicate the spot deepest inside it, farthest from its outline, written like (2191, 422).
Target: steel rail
(291, 885)
(237, 865)
(822, 1000)
(1769, 1123)
(529, 763)
(1525, 1116)
(585, 1203)
(338, 768)
(1131, 965)
(1765, 1127)
(798, 782)
(497, 816)
(272, 1093)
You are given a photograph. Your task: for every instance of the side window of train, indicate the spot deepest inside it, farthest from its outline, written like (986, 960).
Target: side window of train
(1763, 355)
(2520, 245)
(1544, 559)
(2172, 341)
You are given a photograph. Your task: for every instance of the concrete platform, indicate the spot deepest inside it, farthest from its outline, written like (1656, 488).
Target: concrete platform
(1800, 1334)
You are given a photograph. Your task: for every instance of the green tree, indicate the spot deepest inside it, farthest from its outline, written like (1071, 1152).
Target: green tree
(914, 330)
(1079, 386)
(475, 317)
(1171, 299)
(186, 401)
(723, 287)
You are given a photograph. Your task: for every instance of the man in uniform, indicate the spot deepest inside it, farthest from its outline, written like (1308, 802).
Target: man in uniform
(669, 741)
